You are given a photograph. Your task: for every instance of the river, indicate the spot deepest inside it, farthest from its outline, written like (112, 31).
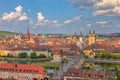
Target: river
(90, 64)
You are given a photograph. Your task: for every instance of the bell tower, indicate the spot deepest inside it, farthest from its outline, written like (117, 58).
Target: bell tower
(28, 34)
(91, 37)
(81, 38)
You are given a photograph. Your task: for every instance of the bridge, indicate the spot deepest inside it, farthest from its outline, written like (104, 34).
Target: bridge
(75, 59)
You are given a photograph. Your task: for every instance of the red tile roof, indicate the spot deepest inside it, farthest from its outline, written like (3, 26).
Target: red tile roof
(91, 74)
(22, 68)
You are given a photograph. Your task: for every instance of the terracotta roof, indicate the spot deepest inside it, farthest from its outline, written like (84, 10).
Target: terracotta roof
(107, 48)
(23, 68)
(93, 74)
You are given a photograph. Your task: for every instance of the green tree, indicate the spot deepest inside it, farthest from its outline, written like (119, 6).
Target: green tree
(118, 78)
(9, 55)
(102, 55)
(51, 54)
(42, 56)
(33, 55)
(22, 55)
(110, 79)
(86, 67)
(86, 57)
(107, 55)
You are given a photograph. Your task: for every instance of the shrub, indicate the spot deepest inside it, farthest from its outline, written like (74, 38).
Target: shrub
(33, 55)
(22, 55)
(85, 56)
(42, 56)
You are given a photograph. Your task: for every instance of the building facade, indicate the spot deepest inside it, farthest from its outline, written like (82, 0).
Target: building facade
(57, 56)
(22, 72)
(84, 74)
(16, 52)
(91, 38)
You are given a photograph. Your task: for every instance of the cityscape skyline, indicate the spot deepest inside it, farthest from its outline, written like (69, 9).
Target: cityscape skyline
(60, 16)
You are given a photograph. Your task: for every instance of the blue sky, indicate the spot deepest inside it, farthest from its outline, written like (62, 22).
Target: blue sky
(60, 16)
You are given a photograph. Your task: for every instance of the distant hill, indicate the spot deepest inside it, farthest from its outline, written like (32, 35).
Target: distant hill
(6, 33)
(109, 35)
(115, 35)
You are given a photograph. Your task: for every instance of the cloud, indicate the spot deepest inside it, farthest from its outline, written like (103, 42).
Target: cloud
(19, 9)
(67, 21)
(105, 26)
(100, 12)
(83, 4)
(29, 10)
(72, 20)
(108, 12)
(19, 18)
(77, 18)
(40, 16)
(88, 25)
(101, 22)
(23, 18)
(99, 7)
(82, 29)
(107, 8)
(42, 21)
(18, 14)
(14, 20)
(108, 4)
(118, 25)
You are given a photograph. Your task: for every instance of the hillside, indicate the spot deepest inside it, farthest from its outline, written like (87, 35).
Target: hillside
(6, 33)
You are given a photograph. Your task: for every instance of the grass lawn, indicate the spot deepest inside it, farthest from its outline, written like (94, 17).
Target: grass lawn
(49, 65)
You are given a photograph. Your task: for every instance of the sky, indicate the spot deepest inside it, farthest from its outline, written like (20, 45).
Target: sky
(60, 16)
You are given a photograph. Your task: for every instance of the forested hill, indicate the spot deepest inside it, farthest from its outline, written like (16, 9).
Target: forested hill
(6, 33)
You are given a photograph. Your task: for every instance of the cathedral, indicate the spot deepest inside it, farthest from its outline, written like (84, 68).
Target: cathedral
(91, 37)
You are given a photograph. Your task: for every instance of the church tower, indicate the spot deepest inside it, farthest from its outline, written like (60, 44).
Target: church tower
(91, 37)
(81, 38)
(80, 41)
(28, 34)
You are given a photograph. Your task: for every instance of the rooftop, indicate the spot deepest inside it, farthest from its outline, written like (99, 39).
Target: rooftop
(22, 68)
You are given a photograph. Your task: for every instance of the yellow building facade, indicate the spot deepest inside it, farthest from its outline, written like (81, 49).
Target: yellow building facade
(89, 53)
(2, 53)
(91, 38)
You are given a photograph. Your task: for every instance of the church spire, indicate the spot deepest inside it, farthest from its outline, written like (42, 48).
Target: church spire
(81, 34)
(28, 34)
(89, 32)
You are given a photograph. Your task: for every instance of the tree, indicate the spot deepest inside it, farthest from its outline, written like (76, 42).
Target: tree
(86, 56)
(108, 55)
(42, 56)
(86, 67)
(110, 79)
(33, 55)
(9, 55)
(22, 55)
(118, 78)
(50, 54)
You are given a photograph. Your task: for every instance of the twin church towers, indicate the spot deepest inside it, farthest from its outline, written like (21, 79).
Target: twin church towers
(91, 37)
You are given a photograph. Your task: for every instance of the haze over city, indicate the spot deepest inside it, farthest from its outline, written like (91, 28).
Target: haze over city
(60, 16)
(59, 40)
